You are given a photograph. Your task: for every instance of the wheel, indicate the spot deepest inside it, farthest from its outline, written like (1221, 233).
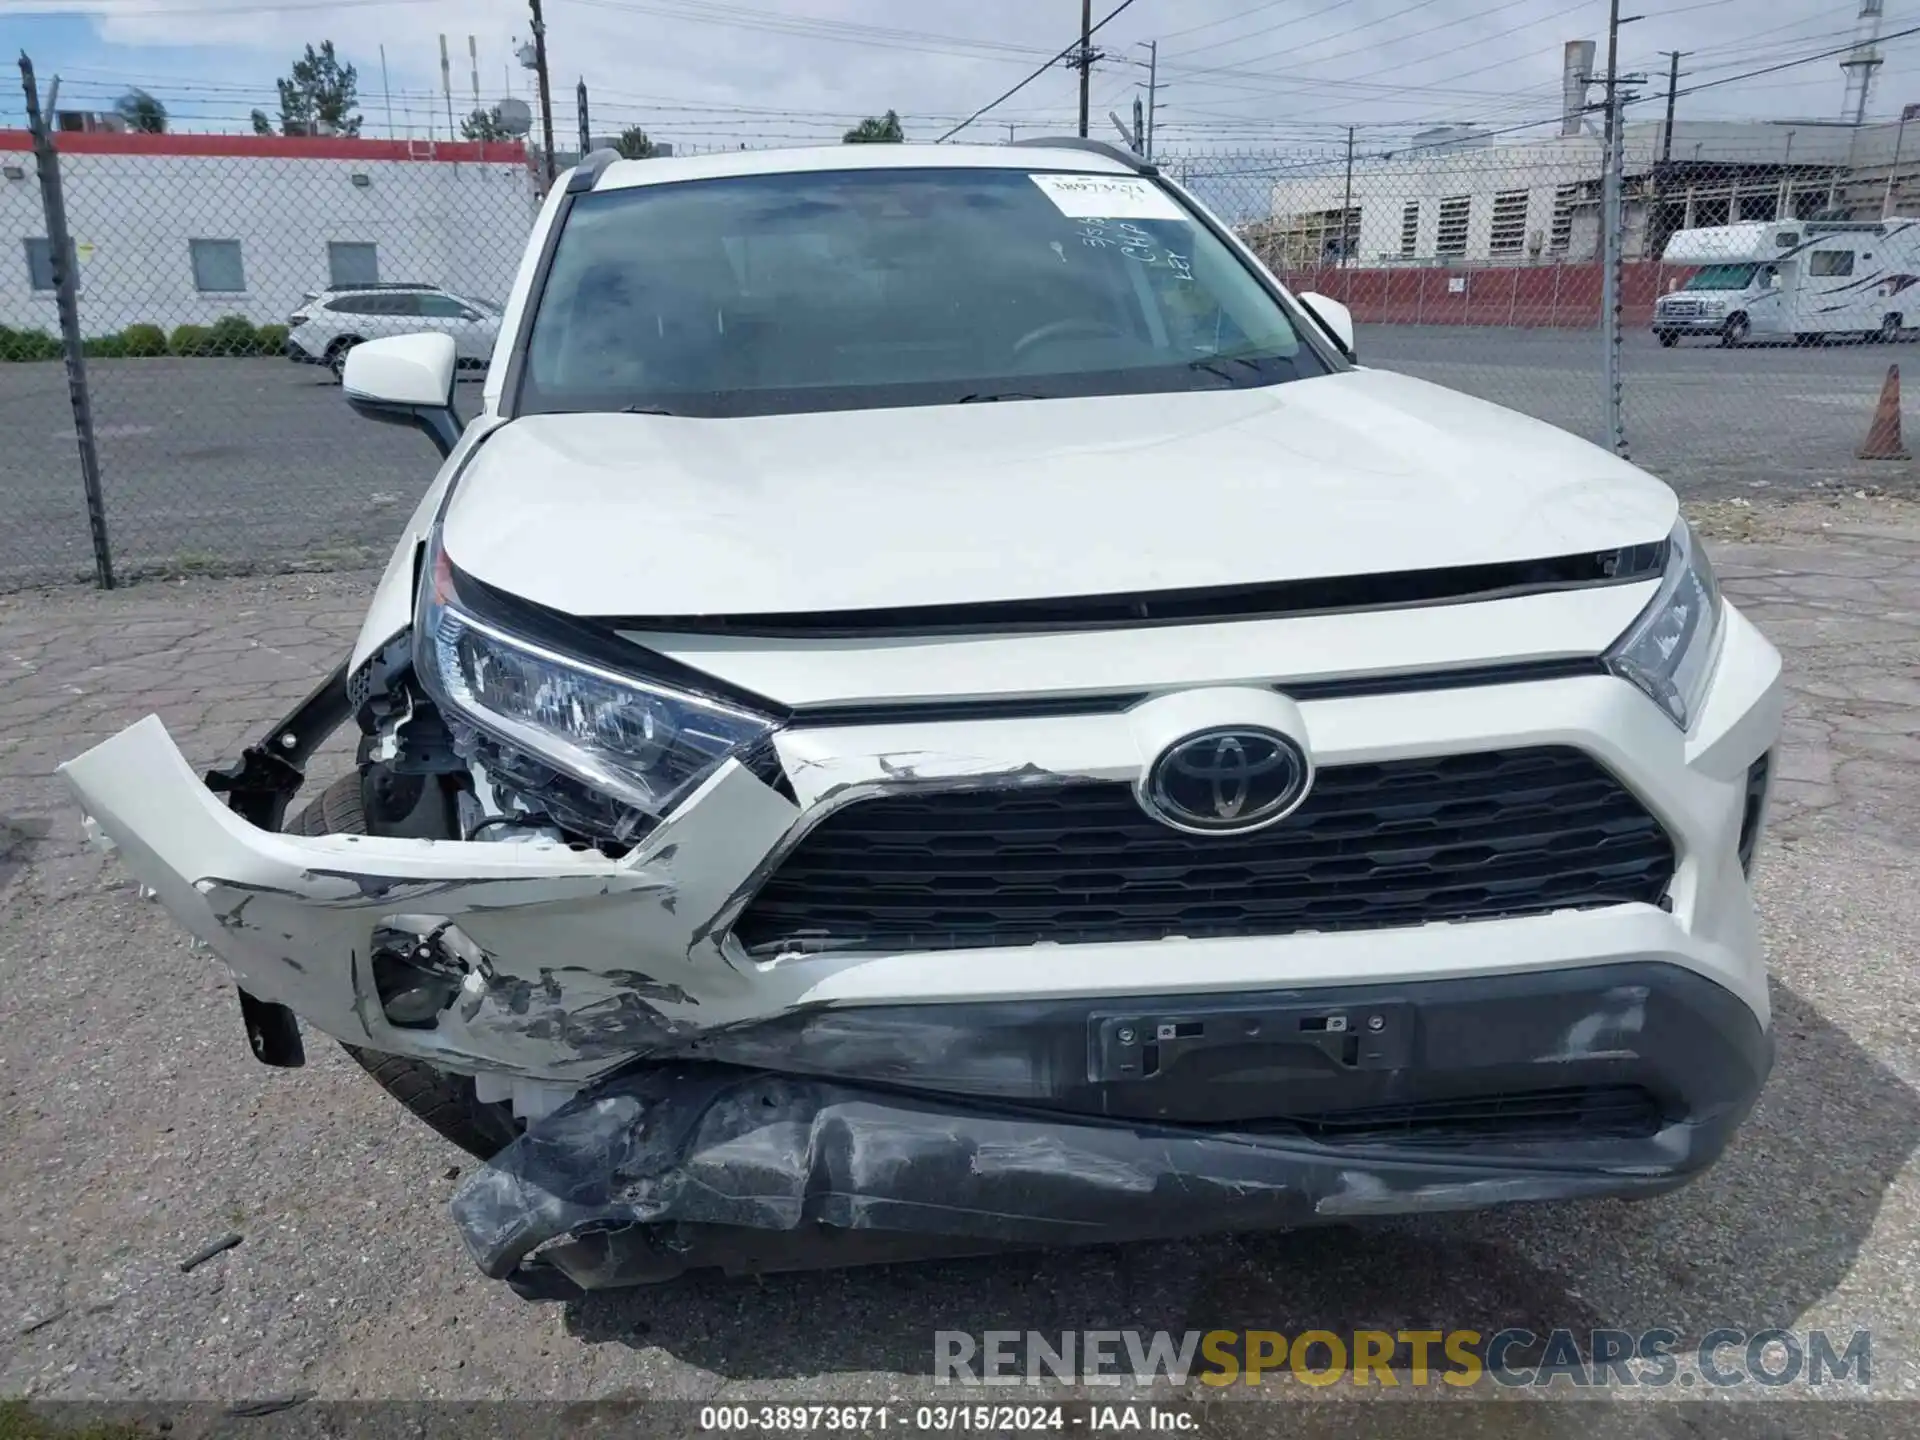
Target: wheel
(445, 1102)
(1667, 338)
(1890, 329)
(337, 355)
(1734, 331)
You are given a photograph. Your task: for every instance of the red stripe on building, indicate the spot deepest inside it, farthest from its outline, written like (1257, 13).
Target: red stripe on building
(275, 147)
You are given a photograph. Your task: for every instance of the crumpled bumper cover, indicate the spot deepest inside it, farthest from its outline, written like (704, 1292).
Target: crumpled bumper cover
(695, 1164)
(665, 1171)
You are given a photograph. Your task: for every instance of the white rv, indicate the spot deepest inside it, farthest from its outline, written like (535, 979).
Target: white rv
(1799, 279)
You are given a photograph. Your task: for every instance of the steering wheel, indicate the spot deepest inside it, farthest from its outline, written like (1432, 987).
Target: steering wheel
(1061, 329)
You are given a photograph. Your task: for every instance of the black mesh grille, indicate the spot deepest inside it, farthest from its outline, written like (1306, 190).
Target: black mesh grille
(1587, 1112)
(1511, 832)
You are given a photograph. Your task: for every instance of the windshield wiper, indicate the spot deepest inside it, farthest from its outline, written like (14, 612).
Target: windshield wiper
(985, 398)
(648, 410)
(1216, 365)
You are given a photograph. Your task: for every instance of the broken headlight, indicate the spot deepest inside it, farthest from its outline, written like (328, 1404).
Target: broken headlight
(595, 749)
(1669, 649)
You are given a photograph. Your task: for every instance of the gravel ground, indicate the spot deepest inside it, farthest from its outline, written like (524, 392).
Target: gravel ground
(135, 1128)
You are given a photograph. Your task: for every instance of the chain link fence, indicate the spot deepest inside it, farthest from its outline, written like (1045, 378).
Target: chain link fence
(220, 277)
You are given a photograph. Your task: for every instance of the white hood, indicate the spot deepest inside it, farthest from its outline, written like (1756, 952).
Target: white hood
(1363, 472)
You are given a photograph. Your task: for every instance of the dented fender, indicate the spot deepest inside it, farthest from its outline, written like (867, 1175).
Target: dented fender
(584, 962)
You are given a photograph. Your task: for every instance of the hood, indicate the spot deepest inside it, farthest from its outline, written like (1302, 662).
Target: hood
(1362, 472)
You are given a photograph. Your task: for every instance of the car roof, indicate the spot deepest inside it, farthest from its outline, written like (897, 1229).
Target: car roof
(625, 174)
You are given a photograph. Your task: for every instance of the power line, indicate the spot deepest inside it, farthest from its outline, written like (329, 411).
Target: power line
(1062, 54)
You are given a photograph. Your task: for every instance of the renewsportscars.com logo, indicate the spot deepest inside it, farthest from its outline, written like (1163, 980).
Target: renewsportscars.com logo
(1516, 1357)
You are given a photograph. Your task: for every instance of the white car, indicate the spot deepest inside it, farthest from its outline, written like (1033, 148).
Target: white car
(935, 708)
(331, 322)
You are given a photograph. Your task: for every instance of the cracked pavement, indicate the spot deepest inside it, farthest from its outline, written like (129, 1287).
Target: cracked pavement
(135, 1129)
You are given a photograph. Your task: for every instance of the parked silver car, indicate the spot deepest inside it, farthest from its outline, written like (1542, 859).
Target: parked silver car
(333, 321)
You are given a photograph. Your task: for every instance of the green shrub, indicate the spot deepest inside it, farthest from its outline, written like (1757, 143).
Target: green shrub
(105, 347)
(271, 339)
(28, 345)
(233, 335)
(189, 340)
(144, 340)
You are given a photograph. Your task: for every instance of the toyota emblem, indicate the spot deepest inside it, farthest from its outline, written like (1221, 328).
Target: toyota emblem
(1227, 779)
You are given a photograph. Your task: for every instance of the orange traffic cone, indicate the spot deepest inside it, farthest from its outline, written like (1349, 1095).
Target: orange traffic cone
(1883, 436)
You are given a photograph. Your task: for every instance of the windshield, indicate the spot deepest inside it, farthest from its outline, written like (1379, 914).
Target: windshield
(1722, 277)
(771, 294)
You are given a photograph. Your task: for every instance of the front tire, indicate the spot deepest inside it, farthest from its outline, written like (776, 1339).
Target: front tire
(1667, 338)
(1734, 331)
(446, 1102)
(1890, 329)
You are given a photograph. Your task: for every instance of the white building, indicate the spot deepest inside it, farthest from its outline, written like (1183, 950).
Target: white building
(1477, 201)
(183, 229)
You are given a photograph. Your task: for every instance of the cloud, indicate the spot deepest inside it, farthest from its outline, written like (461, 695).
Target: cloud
(1236, 73)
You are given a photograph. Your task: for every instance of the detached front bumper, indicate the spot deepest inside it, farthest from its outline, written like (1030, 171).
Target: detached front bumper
(1621, 1080)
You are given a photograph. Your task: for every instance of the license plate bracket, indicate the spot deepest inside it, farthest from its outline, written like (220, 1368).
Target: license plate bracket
(1135, 1046)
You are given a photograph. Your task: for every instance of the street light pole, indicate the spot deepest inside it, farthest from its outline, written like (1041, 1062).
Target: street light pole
(546, 95)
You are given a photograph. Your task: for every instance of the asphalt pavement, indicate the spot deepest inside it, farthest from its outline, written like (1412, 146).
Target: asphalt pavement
(135, 1129)
(215, 466)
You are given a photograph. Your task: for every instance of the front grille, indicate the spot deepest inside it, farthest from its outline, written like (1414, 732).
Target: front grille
(1581, 1112)
(1458, 837)
(1682, 309)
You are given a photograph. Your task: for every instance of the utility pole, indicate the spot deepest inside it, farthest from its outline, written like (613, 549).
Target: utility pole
(1346, 206)
(1153, 91)
(1899, 143)
(1085, 62)
(391, 133)
(1673, 87)
(446, 88)
(546, 96)
(586, 129)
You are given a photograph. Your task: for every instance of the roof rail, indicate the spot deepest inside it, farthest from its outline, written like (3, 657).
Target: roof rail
(1098, 147)
(592, 166)
(382, 285)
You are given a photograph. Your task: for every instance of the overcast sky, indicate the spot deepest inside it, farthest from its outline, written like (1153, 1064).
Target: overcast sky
(1234, 73)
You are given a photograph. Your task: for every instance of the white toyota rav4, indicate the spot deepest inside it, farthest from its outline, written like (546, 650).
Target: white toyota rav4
(935, 708)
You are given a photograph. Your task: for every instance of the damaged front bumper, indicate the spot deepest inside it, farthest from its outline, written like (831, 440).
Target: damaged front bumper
(1467, 1099)
(773, 1110)
(583, 961)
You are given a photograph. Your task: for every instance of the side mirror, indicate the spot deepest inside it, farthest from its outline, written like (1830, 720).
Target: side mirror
(406, 380)
(1334, 318)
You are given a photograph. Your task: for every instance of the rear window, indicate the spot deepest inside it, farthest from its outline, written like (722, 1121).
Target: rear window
(846, 289)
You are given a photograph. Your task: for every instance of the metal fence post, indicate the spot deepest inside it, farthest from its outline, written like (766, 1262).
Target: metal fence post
(1612, 243)
(66, 284)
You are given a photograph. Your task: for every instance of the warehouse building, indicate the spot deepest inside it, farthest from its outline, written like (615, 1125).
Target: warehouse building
(183, 229)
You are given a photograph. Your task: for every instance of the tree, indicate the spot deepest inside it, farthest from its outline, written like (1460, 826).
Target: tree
(633, 144)
(319, 96)
(142, 112)
(877, 130)
(484, 125)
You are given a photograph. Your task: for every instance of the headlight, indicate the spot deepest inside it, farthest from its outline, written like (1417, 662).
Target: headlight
(597, 750)
(1669, 650)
